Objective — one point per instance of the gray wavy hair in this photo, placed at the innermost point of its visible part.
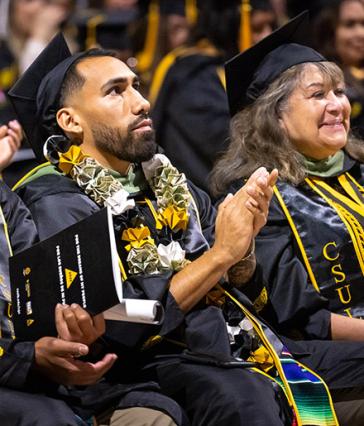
(257, 139)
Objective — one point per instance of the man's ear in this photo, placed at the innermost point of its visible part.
(69, 122)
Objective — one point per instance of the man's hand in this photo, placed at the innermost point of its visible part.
(238, 220)
(241, 216)
(233, 228)
(260, 189)
(10, 140)
(55, 359)
(74, 324)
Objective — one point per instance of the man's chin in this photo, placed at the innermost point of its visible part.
(146, 155)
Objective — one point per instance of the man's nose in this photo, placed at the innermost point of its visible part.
(140, 104)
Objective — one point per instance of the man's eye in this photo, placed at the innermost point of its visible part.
(114, 90)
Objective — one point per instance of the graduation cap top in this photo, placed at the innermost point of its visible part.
(35, 96)
(249, 73)
(108, 30)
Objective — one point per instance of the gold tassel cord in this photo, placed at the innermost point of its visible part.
(245, 36)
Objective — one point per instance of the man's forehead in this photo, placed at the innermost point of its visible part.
(100, 69)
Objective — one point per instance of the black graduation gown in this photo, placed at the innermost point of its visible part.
(23, 399)
(293, 307)
(294, 304)
(149, 377)
(281, 293)
(191, 115)
(16, 358)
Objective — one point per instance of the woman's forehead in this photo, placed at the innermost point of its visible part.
(318, 74)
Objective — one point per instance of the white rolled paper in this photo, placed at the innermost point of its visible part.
(136, 310)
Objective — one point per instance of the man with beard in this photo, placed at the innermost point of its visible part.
(85, 113)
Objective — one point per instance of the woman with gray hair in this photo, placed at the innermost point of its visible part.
(290, 112)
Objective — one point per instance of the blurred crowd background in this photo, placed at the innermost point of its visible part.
(178, 48)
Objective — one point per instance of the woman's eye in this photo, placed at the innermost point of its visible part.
(340, 91)
(318, 95)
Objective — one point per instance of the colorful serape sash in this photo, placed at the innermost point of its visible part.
(6, 325)
(311, 396)
(306, 392)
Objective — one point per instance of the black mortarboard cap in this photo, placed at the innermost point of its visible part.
(250, 73)
(35, 96)
(174, 7)
(107, 30)
(261, 5)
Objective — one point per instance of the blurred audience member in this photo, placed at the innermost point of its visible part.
(112, 5)
(26, 26)
(164, 26)
(10, 139)
(294, 7)
(339, 32)
(280, 9)
(190, 109)
(263, 20)
(109, 31)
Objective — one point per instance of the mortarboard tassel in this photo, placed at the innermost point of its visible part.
(245, 36)
(92, 23)
(145, 58)
(191, 11)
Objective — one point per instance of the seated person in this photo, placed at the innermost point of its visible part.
(293, 114)
(23, 364)
(31, 372)
(93, 124)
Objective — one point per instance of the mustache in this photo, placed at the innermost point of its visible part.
(137, 121)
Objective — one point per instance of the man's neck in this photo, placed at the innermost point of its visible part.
(108, 160)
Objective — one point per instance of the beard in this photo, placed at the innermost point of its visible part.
(131, 147)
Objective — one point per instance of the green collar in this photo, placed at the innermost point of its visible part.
(328, 167)
(134, 181)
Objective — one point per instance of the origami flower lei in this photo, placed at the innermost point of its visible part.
(173, 201)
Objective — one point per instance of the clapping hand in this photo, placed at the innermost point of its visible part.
(10, 140)
(259, 187)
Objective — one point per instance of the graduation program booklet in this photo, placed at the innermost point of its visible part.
(77, 265)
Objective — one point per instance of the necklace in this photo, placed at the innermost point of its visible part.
(173, 202)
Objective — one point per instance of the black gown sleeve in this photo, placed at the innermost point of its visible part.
(207, 212)
(16, 358)
(22, 230)
(55, 203)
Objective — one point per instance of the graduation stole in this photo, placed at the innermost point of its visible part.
(306, 392)
(6, 325)
(328, 227)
